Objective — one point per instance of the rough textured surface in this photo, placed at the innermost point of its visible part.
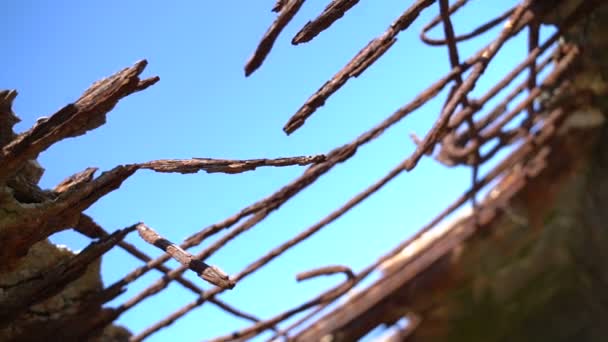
(542, 264)
(41, 257)
(537, 271)
(541, 275)
(29, 214)
(537, 263)
(47, 290)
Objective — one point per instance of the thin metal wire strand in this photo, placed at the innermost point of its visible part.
(531, 144)
(438, 131)
(88, 227)
(162, 283)
(502, 167)
(444, 9)
(460, 38)
(357, 65)
(334, 293)
(338, 291)
(506, 138)
(507, 164)
(188, 284)
(282, 195)
(451, 144)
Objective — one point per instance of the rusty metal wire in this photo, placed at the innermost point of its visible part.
(458, 131)
(458, 96)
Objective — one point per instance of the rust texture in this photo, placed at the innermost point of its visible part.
(224, 166)
(334, 11)
(364, 58)
(212, 274)
(469, 131)
(327, 270)
(21, 296)
(287, 10)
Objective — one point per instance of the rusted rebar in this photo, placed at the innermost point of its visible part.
(460, 130)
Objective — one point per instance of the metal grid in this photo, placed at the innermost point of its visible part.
(459, 133)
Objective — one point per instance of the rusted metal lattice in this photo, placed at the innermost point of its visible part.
(458, 137)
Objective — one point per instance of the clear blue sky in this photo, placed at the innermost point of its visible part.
(205, 107)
